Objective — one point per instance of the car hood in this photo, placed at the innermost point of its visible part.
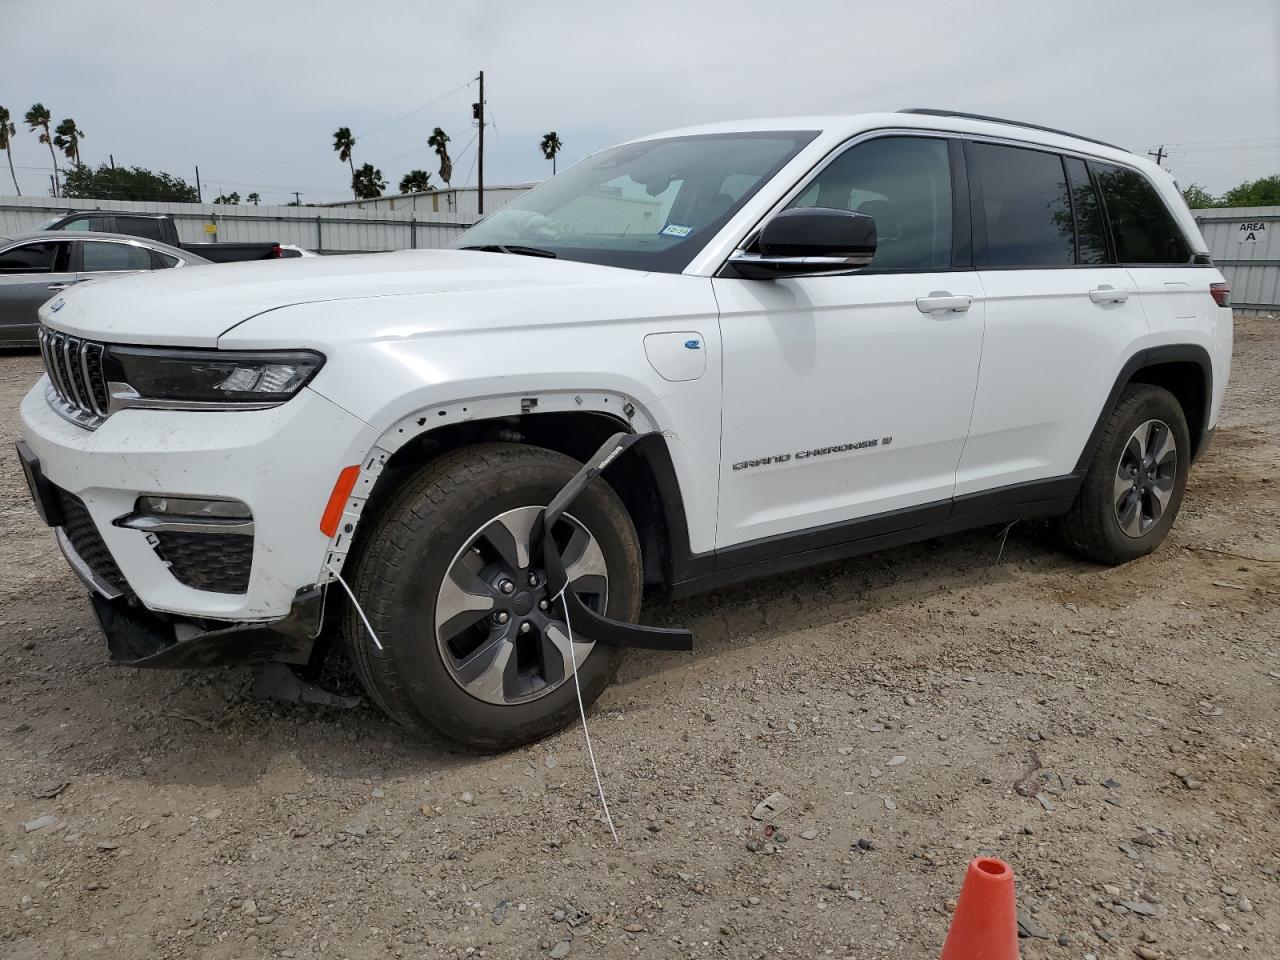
(194, 306)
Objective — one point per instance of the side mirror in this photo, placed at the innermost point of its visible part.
(810, 241)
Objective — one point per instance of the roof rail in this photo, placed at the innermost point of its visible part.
(926, 111)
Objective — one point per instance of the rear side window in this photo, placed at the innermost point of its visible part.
(47, 257)
(146, 227)
(1091, 223)
(100, 256)
(905, 184)
(1025, 206)
(1143, 228)
(79, 223)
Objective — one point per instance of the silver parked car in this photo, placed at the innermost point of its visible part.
(36, 266)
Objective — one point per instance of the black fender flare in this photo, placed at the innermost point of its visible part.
(1150, 357)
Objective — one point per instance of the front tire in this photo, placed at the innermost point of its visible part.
(474, 646)
(1134, 486)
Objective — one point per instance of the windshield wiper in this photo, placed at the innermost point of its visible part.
(513, 248)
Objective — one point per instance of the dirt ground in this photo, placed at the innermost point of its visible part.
(1112, 733)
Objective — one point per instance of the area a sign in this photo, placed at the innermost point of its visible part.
(1249, 230)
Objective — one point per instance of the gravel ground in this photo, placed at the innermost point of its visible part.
(1112, 733)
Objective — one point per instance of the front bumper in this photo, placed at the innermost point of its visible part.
(281, 462)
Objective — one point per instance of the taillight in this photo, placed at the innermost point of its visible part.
(276, 252)
(1221, 293)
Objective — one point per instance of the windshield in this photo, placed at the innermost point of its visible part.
(650, 205)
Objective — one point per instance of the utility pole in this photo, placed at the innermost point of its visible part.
(112, 158)
(199, 195)
(477, 112)
(1158, 154)
(297, 199)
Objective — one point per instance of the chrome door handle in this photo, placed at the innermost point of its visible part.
(1108, 294)
(56, 286)
(940, 301)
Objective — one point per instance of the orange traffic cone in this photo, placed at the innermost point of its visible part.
(985, 924)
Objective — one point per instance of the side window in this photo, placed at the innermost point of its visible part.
(79, 223)
(905, 184)
(48, 257)
(163, 261)
(1091, 224)
(1025, 207)
(100, 256)
(1143, 228)
(146, 227)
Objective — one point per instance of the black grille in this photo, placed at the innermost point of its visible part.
(75, 369)
(209, 561)
(87, 541)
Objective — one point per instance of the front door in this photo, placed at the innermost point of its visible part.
(849, 397)
(30, 274)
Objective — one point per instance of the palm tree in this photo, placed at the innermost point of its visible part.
(253, 198)
(7, 130)
(344, 143)
(416, 181)
(38, 118)
(550, 147)
(367, 182)
(67, 138)
(438, 141)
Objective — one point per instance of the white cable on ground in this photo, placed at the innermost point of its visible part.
(582, 711)
(356, 603)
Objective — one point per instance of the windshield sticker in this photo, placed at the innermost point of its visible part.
(676, 230)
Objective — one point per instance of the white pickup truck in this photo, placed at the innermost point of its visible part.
(836, 335)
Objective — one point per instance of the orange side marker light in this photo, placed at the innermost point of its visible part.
(338, 499)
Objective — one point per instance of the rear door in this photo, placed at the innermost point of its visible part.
(99, 259)
(30, 273)
(1062, 318)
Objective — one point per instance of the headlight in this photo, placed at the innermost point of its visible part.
(206, 379)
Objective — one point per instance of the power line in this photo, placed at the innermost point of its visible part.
(493, 121)
(404, 116)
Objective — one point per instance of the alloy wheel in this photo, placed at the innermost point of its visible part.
(501, 633)
(1145, 477)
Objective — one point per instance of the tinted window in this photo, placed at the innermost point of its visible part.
(139, 227)
(1027, 211)
(162, 261)
(79, 223)
(905, 184)
(32, 258)
(1091, 225)
(1143, 228)
(100, 256)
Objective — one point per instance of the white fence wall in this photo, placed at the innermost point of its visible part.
(1245, 244)
(461, 203)
(323, 229)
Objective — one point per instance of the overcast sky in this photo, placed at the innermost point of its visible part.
(252, 90)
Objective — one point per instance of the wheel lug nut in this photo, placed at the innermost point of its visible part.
(506, 586)
(501, 616)
(533, 579)
(543, 605)
(524, 628)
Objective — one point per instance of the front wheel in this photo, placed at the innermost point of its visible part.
(1134, 486)
(474, 644)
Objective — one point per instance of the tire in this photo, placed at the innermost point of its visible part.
(428, 528)
(1101, 524)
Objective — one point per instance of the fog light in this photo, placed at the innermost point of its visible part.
(191, 507)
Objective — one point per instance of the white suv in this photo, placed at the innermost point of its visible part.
(841, 334)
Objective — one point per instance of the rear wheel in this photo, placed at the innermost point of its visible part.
(474, 644)
(1135, 483)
